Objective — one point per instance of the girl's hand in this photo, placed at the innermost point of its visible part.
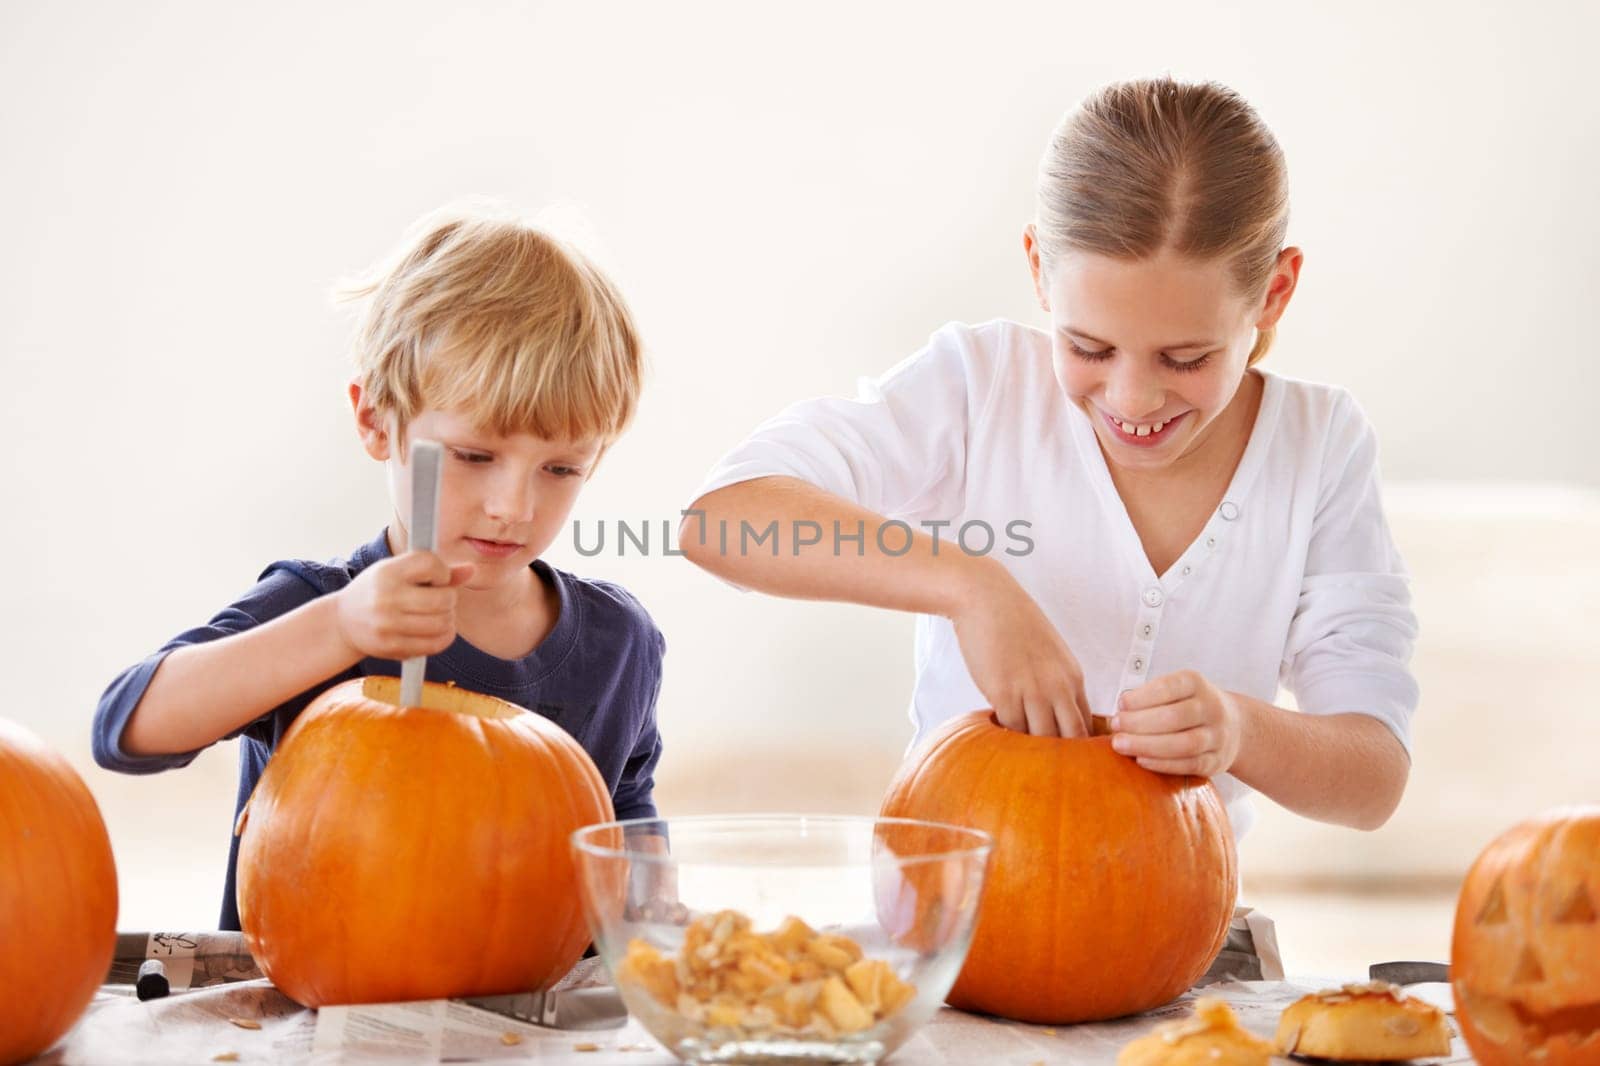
(1179, 724)
(402, 607)
(1018, 660)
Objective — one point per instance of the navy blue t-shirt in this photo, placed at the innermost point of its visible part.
(596, 675)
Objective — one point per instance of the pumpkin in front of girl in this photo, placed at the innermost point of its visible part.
(58, 895)
(1110, 888)
(1525, 954)
(399, 853)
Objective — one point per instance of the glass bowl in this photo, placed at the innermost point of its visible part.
(781, 938)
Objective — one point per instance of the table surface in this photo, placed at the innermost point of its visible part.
(201, 1025)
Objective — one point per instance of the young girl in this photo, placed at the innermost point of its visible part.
(1123, 516)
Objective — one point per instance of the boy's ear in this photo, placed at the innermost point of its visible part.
(371, 424)
(1030, 245)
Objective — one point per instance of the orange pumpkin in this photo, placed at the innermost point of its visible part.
(1525, 954)
(1110, 889)
(58, 895)
(398, 853)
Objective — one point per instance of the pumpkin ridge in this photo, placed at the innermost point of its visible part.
(941, 739)
(58, 885)
(1065, 827)
(979, 940)
(578, 818)
(1097, 835)
(302, 842)
(493, 919)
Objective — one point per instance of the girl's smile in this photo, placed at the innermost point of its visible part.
(1143, 434)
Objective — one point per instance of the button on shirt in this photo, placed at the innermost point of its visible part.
(1293, 580)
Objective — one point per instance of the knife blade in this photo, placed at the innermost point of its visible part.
(1408, 973)
(562, 1008)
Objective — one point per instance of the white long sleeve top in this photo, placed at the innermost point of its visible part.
(1294, 580)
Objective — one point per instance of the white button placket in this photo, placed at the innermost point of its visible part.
(1137, 668)
(1154, 598)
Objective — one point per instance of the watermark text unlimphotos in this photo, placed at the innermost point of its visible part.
(892, 537)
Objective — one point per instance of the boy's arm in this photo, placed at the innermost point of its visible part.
(201, 693)
(219, 679)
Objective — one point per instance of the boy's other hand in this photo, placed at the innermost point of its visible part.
(1179, 724)
(1019, 661)
(402, 607)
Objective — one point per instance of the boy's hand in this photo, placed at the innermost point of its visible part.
(1019, 662)
(1179, 724)
(402, 607)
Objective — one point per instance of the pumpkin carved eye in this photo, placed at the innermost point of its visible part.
(1494, 908)
(1577, 910)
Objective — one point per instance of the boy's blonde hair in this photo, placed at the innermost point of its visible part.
(494, 317)
(1144, 166)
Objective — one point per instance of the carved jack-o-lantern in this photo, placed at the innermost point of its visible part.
(1525, 958)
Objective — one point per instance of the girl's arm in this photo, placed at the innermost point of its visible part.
(831, 568)
(1348, 769)
(1340, 758)
(1017, 659)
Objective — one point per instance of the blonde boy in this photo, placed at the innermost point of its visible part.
(519, 357)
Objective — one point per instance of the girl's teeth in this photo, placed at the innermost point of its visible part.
(1141, 431)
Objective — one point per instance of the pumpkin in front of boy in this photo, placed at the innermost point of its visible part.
(1525, 954)
(58, 895)
(1110, 888)
(400, 853)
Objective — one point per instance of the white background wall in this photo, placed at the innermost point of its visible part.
(790, 198)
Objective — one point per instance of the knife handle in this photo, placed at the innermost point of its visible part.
(426, 458)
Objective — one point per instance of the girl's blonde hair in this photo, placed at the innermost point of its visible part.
(1149, 165)
(494, 317)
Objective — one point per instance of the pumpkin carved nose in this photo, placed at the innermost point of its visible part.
(1528, 969)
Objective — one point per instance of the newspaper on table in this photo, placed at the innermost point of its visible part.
(250, 1021)
(190, 960)
(200, 1026)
